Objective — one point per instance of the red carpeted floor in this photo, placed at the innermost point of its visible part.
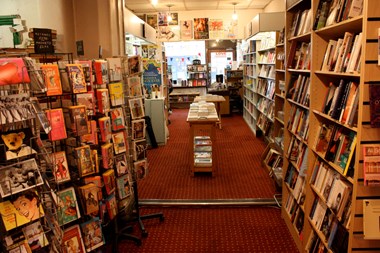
(210, 229)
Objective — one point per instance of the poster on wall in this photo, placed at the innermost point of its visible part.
(186, 29)
(201, 28)
(174, 18)
(151, 74)
(162, 19)
(168, 33)
(231, 30)
(216, 29)
(151, 19)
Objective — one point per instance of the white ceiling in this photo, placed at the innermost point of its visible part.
(145, 6)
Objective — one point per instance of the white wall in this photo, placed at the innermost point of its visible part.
(275, 6)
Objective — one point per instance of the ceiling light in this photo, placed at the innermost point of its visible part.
(169, 16)
(154, 2)
(234, 15)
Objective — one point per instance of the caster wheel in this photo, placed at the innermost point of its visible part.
(144, 234)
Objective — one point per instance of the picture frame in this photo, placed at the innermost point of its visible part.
(19, 177)
(137, 108)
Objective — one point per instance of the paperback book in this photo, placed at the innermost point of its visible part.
(101, 71)
(52, 79)
(67, 204)
(78, 119)
(72, 240)
(102, 95)
(84, 160)
(117, 119)
(116, 93)
(107, 155)
(89, 197)
(76, 78)
(119, 142)
(114, 69)
(92, 234)
(109, 181)
(57, 123)
(87, 99)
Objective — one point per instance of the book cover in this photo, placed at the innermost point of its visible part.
(123, 185)
(13, 71)
(138, 129)
(105, 128)
(101, 71)
(121, 163)
(17, 144)
(35, 235)
(19, 177)
(61, 170)
(116, 93)
(139, 149)
(371, 167)
(16, 242)
(338, 191)
(83, 156)
(137, 108)
(67, 206)
(114, 69)
(52, 79)
(323, 139)
(98, 181)
(120, 144)
(107, 155)
(78, 119)
(76, 78)
(72, 240)
(347, 154)
(109, 181)
(141, 168)
(89, 196)
(102, 96)
(92, 234)
(134, 65)
(57, 123)
(22, 209)
(134, 86)
(111, 206)
(117, 119)
(87, 99)
(88, 74)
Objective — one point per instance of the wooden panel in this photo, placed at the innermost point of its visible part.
(373, 8)
(371, 51)
(370, 134)
(372, 72)
(372, 29)
(363, 191)
(358, 224)
(359, 242)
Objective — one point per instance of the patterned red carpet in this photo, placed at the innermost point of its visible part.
(210, 229)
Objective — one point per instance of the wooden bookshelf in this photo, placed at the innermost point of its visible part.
(350, 226)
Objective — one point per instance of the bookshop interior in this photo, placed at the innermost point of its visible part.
(159, 126)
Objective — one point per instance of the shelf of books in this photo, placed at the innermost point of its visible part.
(334, 91)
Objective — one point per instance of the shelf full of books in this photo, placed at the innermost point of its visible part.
(197, 75)
(332, 75)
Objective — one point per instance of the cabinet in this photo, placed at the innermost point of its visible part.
(155, 109)
(197, 75)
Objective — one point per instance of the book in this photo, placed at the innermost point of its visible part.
(328, 55)
(321, 14)
(138, 129)
(114, 69)
(134, 65)
(87, 99)
(338, 192)
(35, 235)
(102, 96)
(343, 51)
(16, 242)
(111, 204)
(76, 78)
(83, 156)
(355, 53)
(13, 71)
(139, 149)
(78, 119)
(57, 123)
(89, 196)
(22, 209)
(98, 181)
(356, 8)
(323, 138)
(134, 86)
(137, 108)
(92, 234)
(119, 141)
(72, 240)
(340, 241)
(124, 186)
(141, 169)
(61, 170)
(117, 119)
(109, 181)
(88, 73)
(121, 163)
(67, 206)
(101, 71)
(105, 128)
(107, 155)
(116, 93)
(52, 79)
(347, 154)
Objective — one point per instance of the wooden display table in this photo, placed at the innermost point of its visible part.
(202, 144)
(217, 100)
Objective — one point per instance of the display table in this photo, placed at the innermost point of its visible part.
(217, 100)
(202, 143)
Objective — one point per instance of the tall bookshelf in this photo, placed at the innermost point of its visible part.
(305, 188)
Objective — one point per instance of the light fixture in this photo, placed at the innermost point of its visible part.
(154, 2)
(234, 15)
(169, 16)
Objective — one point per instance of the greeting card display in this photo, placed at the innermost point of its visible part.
(17, 144)
(57, 122)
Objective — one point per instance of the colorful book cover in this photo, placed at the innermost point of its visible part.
(137, 108)
(101, 71)
(186, 29)
(19, 177)
(92, 234)
(67, 204)
(21, 210)
(89, 196)
(17, 143)
(111, 206)
(109, 181)
(85, 164)
(134, 86)
(61, 169)
(13, 71)
(138, 129)
(88, 100)
(114, 69)
(120, 144)
(87, 71)
(123, 186)
(72, 240)
(141, 169)
(121, 163)
(57, 123)
(52, 79)
(107, 155)
(35, 235)
(98, 181)
(92, 136)
(105, 128)
(78, 119)
(117, 119)
(116, 93)
(103, 100)
(76, 78)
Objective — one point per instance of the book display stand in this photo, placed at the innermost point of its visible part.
(331, 75)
